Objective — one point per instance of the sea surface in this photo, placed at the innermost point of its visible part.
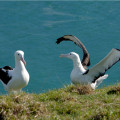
(34, 27)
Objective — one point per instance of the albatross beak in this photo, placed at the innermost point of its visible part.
(22, 59)
(64, 55)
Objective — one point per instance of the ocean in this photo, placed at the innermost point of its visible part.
(34, 27)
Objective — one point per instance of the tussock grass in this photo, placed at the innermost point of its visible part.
(68, 103)
(80, 89)
(22, 106)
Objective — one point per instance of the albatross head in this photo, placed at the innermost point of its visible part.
(19, 56)
(71, 55)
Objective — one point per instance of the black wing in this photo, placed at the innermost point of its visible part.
(86, 56)
(8, 68)
(4, 74)
(106, 63)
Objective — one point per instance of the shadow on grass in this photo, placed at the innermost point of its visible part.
(115, 90)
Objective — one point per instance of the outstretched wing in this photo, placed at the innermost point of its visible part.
(86, 56)
(106, 63)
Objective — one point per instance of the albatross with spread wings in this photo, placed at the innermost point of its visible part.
(95, 75)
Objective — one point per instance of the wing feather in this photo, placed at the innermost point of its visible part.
(4, 76)
(8, 68)
(86, 56)
(106, 63)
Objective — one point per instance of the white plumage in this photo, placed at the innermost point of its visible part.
(95, 75)
(17, 78)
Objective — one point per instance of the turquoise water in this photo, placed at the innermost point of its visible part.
(34, 27)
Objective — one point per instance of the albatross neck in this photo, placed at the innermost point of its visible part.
(19, 65)
(77, 64)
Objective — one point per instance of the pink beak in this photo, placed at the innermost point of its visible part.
(64, 55)
(22, 59)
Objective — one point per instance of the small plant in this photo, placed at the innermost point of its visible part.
(81, 89)
(98, 117)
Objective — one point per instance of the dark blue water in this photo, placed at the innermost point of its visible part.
(34, 27)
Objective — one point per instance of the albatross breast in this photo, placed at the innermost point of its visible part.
(19, 80)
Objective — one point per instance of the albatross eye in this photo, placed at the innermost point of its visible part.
(18, 54)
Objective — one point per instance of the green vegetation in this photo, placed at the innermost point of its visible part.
(69, 103)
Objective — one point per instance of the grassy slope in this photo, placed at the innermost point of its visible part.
(69, 103)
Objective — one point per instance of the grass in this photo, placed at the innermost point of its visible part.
(68, 103)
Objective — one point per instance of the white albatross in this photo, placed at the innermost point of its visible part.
(95, 75)
(17, 78)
